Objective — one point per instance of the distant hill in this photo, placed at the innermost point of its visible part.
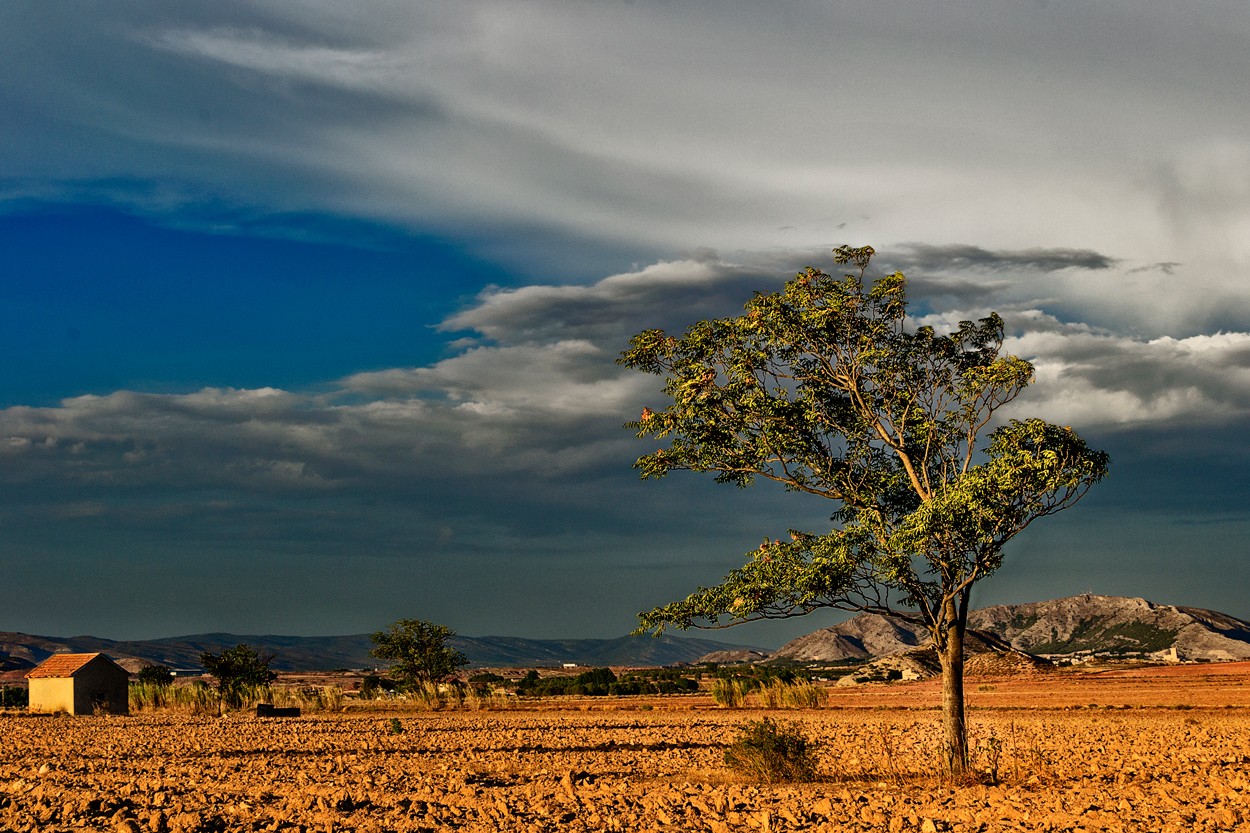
(20, 652)
(1061, 627)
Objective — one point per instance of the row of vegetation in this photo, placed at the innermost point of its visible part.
(13, 697)
(201, 698)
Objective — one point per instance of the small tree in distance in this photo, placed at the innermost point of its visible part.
(822, 388)
(418, 652)
(238, 669)
(155, 675)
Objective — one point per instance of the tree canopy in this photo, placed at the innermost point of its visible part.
(237, 669)
(825, 388)
(418, 652)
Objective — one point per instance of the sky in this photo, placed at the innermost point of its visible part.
(309, 311)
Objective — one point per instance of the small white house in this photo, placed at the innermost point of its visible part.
(79, 684)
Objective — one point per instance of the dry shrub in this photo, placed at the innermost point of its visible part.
(770, 752)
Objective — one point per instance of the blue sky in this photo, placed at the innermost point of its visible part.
(309, 311)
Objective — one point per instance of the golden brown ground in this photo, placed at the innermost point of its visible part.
(1130, 750)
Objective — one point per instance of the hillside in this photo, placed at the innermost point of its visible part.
(1085, 624)
(20, 652)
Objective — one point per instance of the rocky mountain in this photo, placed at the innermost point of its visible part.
(863, 637)
(1111, 624)
(20, 652)
(1085, 624)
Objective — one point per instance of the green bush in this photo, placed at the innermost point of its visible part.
(155, 675)
(13, 697)
(373, 687)
(770, 752)
(592, 683)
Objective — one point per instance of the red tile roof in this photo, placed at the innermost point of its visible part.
(62, 665)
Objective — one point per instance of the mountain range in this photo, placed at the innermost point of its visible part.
(20, 652)
(1085, 624)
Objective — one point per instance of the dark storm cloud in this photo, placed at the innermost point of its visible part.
(954, 258)
(667, 295)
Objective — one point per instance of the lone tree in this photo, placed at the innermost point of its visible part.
(824, 388)
(418, 652)
(238, 669)
(158, 675)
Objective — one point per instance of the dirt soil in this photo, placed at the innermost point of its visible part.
(1122, 750)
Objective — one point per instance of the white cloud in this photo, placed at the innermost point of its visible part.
(1087, 377)
(540, 396)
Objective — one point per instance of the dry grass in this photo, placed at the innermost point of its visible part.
(204, 700)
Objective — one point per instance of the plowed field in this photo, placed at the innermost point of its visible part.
(1157, 750)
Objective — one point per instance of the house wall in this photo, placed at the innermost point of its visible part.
(100, 683)
(52, 694)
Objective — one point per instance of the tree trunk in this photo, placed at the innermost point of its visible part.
(950, 650)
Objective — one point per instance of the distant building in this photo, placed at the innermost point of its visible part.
(79, 684)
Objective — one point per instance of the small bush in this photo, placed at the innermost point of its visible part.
(771, 752)
(373, 687)
(155, 675)
(12, 697)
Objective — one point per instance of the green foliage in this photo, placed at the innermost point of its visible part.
(654, 681)
(1022, 622)
(1094, 633)
(238, 669)
(771, 752)
(598, 682)
(592, 683)
(822, 387)
(485, 683)
(418, 652)
(394, 727)
(155, 675)
(373, 686)
(14, 697)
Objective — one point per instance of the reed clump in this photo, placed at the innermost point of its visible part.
(780, 694)
(200, 698)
